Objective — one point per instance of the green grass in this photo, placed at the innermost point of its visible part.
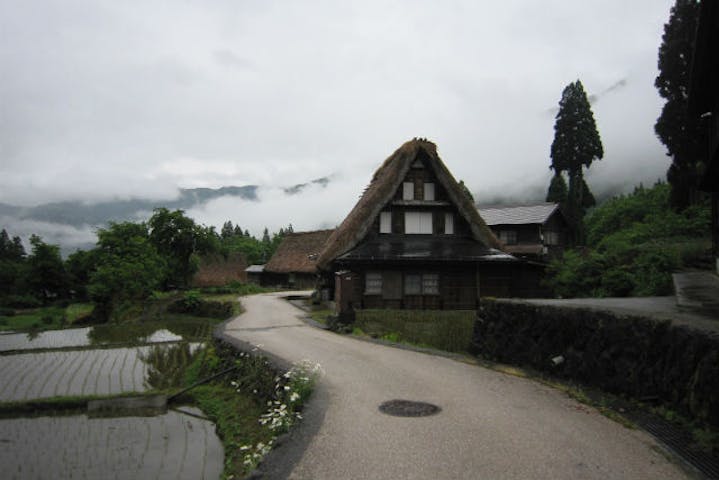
(78, 311)
(237, 418)
(45, 318)
(449, 330)
(320, 316)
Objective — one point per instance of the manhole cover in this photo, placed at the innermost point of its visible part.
(407, 408)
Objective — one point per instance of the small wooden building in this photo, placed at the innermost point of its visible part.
(255, 274)
(704, 103)
(416, 240)
(536, 232)
(217, 270)
(294, 264)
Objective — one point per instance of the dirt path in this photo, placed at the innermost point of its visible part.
(491, 426)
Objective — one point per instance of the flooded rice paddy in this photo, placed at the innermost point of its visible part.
(110, 371)
(174, 445)
(102, 360)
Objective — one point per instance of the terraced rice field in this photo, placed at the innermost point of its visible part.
(171, 446)
(28, 376)
(73, 337)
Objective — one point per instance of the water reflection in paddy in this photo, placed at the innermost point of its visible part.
(108, 334)
(172, 446)
(106, 371)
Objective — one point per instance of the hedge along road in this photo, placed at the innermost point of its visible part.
(491, 425)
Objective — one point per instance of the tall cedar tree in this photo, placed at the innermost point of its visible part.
(576, 145)
(557, 192)
(679, 131)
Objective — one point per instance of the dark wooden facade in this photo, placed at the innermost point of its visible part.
(460, 286)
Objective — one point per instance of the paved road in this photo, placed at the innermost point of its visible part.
(492, 425)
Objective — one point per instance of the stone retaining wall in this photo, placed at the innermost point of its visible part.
(643, 358)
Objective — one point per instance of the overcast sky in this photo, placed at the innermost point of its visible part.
(115, 99)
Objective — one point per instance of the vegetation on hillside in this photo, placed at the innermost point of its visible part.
(131, 262)
(634, 243)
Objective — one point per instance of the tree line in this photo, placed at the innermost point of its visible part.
(129, 262)
(577, 142)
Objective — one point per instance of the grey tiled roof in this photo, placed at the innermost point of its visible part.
(517, 214)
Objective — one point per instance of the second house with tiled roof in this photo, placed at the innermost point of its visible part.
(538, 231)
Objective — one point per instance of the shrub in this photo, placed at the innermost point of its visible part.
(21, 301)
(635, 243)
(7, 312)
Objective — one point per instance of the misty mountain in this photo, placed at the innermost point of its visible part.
(77, 213)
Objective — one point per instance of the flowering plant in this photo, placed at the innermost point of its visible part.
(291, 390)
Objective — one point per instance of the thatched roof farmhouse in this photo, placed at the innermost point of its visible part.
(416, 240)
(294, 264)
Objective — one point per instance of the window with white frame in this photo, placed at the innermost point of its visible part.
(449, 223)
(508, 237)
(408, 191)
(418, 222)
(430, 284)
(421, 284)
(551, 238)
(373, 283)
(385, 222)
(429, 191)
(413, 284)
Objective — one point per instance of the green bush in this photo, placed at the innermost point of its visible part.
(7, 312)
(21, 301)
(236, 287)
(192, 304)
(635, 242)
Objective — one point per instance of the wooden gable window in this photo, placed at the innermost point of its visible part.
(508, 237)
(552, 238)
(418, 222)
(429, 191)
(421, 284)
(449, 224)
(430, 284)
(413, 284)
(373, 283)
(385, 222)
(408, 191)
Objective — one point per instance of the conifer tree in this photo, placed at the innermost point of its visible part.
(227, 230)
(576, 146)
(678, 131)
(557, 192)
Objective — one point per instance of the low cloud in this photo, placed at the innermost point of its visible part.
(316, 207)
(68, 237)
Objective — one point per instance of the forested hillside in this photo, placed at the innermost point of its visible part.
(634, 243)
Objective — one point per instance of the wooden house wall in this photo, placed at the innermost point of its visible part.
(458, 286)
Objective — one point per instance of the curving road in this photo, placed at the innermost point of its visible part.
(492, 425)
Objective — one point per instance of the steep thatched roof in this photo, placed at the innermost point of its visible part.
(385, 182)
(298, 252)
